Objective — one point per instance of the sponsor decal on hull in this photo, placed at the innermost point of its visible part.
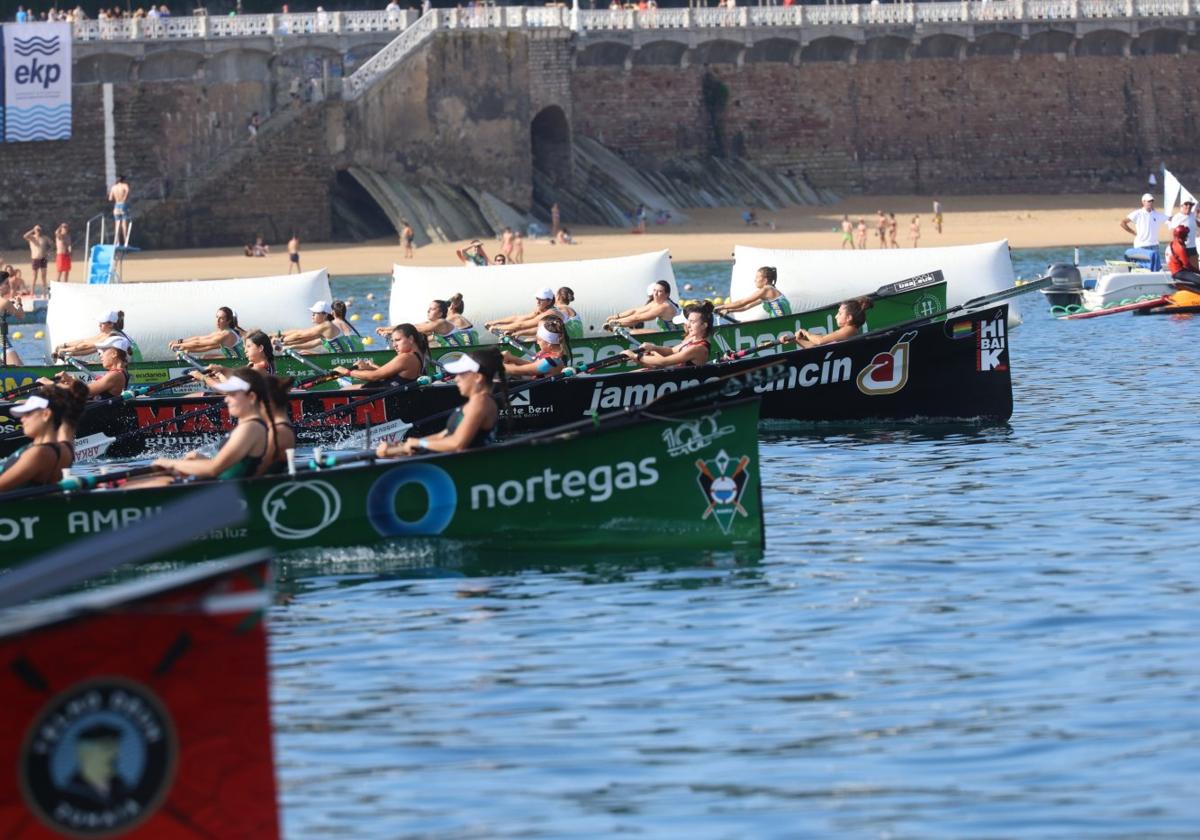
(887, 372)
(990, 344)
(691, 436)
(723, 480)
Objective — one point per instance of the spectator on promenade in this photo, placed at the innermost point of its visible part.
(937, 215)
(1146, 222)
(118, 194)
(22, 15)
(847, 233)
(1187, 217)
(252, 126)
(62, 252)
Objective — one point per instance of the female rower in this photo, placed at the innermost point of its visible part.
(525, 324)
(114, 357)
(473, 424)
(851, 315)
(227, 338)
(74, 396)
(244, 451)
(283, 435)
(313, 337)
(570, 316)
(436, 326)
(350, 339)
(772, 300)
(464, 334)
(112, 322)
(36, 463)
(657, 314)
(412, 357)
(694, 348)
(554, 351)
(260, 355)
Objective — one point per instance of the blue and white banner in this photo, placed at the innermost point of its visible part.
(36, 73)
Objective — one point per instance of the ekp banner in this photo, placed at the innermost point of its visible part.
(36, 73)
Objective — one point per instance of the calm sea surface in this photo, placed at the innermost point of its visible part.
(954, 632)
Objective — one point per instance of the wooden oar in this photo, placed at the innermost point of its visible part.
(76, 483)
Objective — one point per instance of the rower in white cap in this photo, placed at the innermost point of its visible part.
(527, 324)
(112, 322)
(313, 337)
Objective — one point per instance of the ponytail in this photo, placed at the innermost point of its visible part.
(455, 303)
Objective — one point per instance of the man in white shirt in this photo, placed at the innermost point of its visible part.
(1146, 223)
(1187, 216)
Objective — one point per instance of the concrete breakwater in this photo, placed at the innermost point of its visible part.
(463, 124)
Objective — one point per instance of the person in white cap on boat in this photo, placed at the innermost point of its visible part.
(114, 357)
(36, 463)
(1143, 225)
(527, 324)
(244, 451)
(112, 322)
(323, 329)
(657, 314)
(472, 424)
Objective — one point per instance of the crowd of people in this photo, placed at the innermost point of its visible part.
(57, 15)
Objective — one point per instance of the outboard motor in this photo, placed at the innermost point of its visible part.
(1067, 288)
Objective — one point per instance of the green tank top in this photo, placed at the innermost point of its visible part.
(249, 464)
(779, 306)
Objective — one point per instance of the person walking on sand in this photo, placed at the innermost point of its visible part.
(518, 254)
(893, 231)
(937, 215)
(555, 220)
(294, 254)
(406, 238)
(881, 225)
(62, 252)
(914, 230)
(118, 194)
(39, 248)
(847, 233)
(860, 234)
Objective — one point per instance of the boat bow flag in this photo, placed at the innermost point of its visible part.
(36, 76)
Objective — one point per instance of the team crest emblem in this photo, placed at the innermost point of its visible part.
(723, 482)
(887, 373)
(924, 306)
(99, 759)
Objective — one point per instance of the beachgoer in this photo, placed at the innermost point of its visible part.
(659, 310)
(773, 301)
(847, 233)
(914, 230)
(893, 230)
(553, 354)
(937, 215)
(226, 338)
(473, 424)
(118, 194)
(409, 363)
(518, 254)
(39, 250)
(62, 252)
(406, 238)
(693, 350)
(1145, 224)
(506, 245)
(36, 463)
(499, 259)
(860, 234)
(851, 316)
(565, 237)
(293, 247)
(472, 254)
(1187, 217)
(881, 228)
(554, 220)
(244, 452)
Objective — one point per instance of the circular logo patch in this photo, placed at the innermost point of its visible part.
(99, 759)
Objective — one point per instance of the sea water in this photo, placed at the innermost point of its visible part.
(954, 632)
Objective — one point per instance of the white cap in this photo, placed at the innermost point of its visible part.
(654, 287)
(116, 342)
(232, 385)
(1147, 197)
(108, 317)
(463, 364)
(322, 307)
(34, 403)
(544, 294)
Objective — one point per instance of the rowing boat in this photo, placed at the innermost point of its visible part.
(893, 304)
(140, 710)
(685, 476)
(957, 369)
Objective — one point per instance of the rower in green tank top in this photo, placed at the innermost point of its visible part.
(226, 339)
(773, 301)
(657, 314)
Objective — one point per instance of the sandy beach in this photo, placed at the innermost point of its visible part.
(1027, 221)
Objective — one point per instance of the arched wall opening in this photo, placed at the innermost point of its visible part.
(550, 142)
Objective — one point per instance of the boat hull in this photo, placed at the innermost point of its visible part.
(957, 370)
(684, 479)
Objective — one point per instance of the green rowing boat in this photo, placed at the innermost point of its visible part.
(893, 304)
(685, 476)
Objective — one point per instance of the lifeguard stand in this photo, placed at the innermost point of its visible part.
(104, 259)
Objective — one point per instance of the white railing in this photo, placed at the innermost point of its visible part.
(539, 17)
(354, 85)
